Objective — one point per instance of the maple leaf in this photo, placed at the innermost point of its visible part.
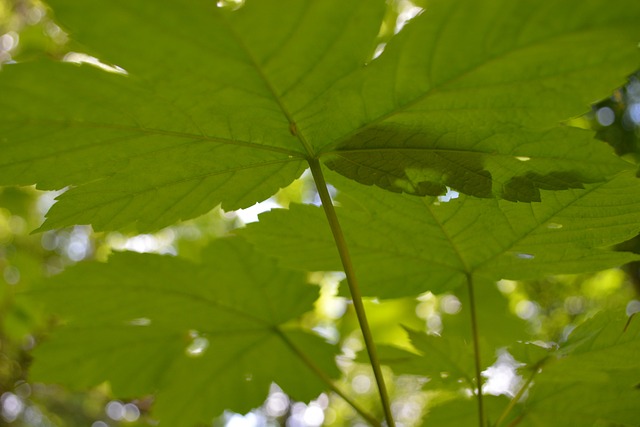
(219, 106)
(204, 337)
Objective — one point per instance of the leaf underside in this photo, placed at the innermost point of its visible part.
(468, 96)
(204, 338)
(403, 246)
(212, 106)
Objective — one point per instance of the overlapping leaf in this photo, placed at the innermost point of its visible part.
(205, 337)
(224, 107)
(403, 245)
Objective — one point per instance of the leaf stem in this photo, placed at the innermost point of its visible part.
(356, 296)
(520, 393)
(326, 379)
(476, 348)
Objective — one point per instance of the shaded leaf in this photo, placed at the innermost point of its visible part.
(591, 380)
(600, 345)
(532, 354)
(614, 403)
(205, 337)
(404, 245)
(445, 359)
(464, 412)
(406, 159)
(493, 314)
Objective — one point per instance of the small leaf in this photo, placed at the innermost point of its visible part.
(591, 380)
(445, 359)
(463, 411)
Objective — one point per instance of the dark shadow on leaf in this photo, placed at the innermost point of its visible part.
(407, 160)
(402, 160)
(527, 188)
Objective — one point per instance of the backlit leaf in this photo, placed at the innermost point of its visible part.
(403, 245)
(210, 106)
(468, 89)
(205, 337)
(205, 115)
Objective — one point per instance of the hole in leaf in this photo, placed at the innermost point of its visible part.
(83, 58)
(141, 321)
(524, 256)
(198, 345)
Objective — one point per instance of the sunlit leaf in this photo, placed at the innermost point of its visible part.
(205, 337)
(193, 104)
(205, 115)
(466, 94)
(204, 105)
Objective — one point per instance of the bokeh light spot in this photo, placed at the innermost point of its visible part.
(11, 406)
(131, 412)
(115, 410)
(605, 116)
(277, 404)
(526, 309)
(634, 113)
(313, 415)
(361, 384)
(450, 304)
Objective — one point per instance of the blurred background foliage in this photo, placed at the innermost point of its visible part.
(546, 309)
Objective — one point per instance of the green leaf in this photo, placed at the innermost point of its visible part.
(403, 245)
(408, 159)
(464, 412)
(600, 345)
(212, 110)
(451, 351)
(445, 359)
(205, 337)
(205, 115)
(532, 354)
(464, 92)
(610, 404)
(493, 316)
(592, 380)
